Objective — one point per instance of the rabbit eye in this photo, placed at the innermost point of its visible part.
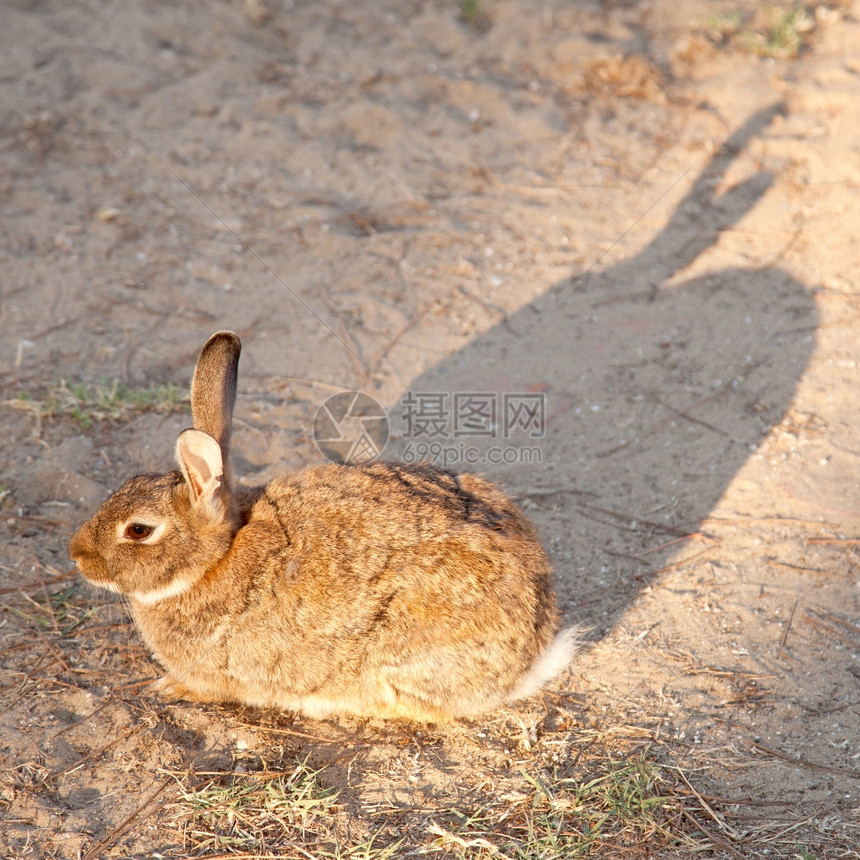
(138, 531)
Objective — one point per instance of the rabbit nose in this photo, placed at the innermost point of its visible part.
(76, 546)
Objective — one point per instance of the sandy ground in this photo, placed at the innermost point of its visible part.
(605, 212)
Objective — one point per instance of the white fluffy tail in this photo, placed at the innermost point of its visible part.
(555, 659)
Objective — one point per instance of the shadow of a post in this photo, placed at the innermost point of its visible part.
(654, 394)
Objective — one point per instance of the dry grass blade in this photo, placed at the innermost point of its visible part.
(798, 569)
(787, 627)
(837, 541)
(831, 624)
(127, 824)
(799, 760)
(674, 565)
(277, 730)
(716, 839)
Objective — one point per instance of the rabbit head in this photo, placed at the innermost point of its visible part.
(133, 543)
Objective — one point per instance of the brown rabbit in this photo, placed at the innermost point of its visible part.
(378, 590)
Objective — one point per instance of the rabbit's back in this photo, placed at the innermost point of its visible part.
(401, 583)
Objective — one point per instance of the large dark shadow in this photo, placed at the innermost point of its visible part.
(655, 394)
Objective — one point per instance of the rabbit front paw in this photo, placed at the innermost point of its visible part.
(174, 690)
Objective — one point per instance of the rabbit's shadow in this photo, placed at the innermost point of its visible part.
(617, 407)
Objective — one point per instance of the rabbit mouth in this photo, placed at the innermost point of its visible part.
(95, 571)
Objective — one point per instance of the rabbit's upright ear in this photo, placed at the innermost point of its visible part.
(199, 458)
(213, 392)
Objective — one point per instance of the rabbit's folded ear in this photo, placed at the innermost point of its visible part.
(213, 391)
(199, 458)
